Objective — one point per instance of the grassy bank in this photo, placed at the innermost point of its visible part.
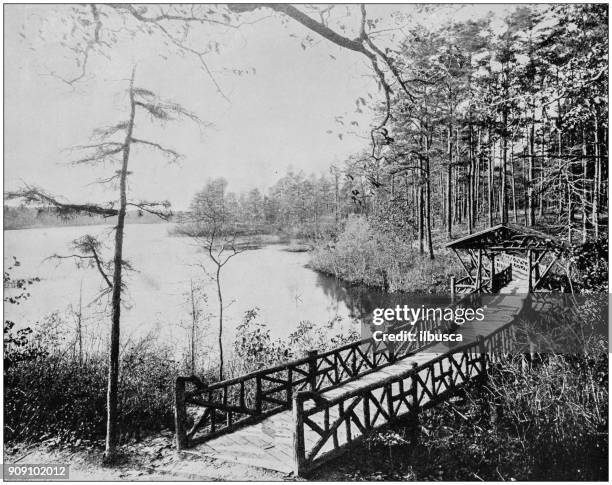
(53, 395)
(362, 255)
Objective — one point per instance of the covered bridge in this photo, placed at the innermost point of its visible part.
(506, 256)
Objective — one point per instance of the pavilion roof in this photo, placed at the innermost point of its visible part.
(506, 237)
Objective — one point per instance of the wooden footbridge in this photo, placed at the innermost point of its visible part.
(295, 416)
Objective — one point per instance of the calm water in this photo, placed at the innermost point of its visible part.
(271, 278)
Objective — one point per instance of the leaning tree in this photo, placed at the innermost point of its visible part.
(114, 145)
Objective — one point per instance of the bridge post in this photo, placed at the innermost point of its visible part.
(414, 391)
(312, 369)
(452, 288)
(483, 355)
(299, 451)
(391, 350)
(180, 414)
(258, 394)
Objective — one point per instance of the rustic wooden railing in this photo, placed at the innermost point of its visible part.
(468, 286)
(462, 286)
(337, 423)
(227, 405)
(519, 264)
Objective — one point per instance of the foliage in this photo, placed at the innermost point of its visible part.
(362, 255)
(296, 206)
(16, 347)
(254, 347)
(590, 265)
(49, 394)
(509, 125)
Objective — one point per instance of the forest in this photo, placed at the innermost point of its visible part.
(497, 127)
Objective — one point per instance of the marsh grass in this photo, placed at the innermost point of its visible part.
(538, 420)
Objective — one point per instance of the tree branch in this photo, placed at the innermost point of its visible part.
(159, 209)
(34, 195)
(174, 156)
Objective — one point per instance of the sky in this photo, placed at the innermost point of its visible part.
(280, 116)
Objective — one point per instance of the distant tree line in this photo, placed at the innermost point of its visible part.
(22, 217)
(311, 206)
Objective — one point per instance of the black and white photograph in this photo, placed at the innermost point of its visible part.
(306, 242)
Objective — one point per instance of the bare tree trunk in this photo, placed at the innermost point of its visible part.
(477, 182)
(570, 211)
(490, 181)
(428, 199)
(442, 190)
(559, 151)
(194, 319)
(596, 182)
(541, 178)
(80, 324)
(524, 171)
(503, 190)
(458, 204)
(583, 186)
(470, 183)
(218, 281)
(112, 432)
(364, 199)
(449, 175)
(421, 204)
(337, 199)
(531, 153)
(515, 218)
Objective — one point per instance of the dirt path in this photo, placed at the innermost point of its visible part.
(153, 459)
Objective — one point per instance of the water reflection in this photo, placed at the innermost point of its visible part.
(361, 300)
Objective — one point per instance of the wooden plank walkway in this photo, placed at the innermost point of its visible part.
(269, 443)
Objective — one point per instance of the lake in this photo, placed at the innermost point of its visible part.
(271, 278)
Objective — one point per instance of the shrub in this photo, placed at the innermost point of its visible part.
(557, 412)
(590, 265)
(50, 394)
(540, 422)
(255, 349)
(362, 255)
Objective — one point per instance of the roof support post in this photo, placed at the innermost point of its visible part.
(492, 280)
(529, 268)
(548, 268)
(463, 264)
(479, 271)
(536, 266)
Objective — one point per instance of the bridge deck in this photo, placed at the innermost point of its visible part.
(269, 443)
